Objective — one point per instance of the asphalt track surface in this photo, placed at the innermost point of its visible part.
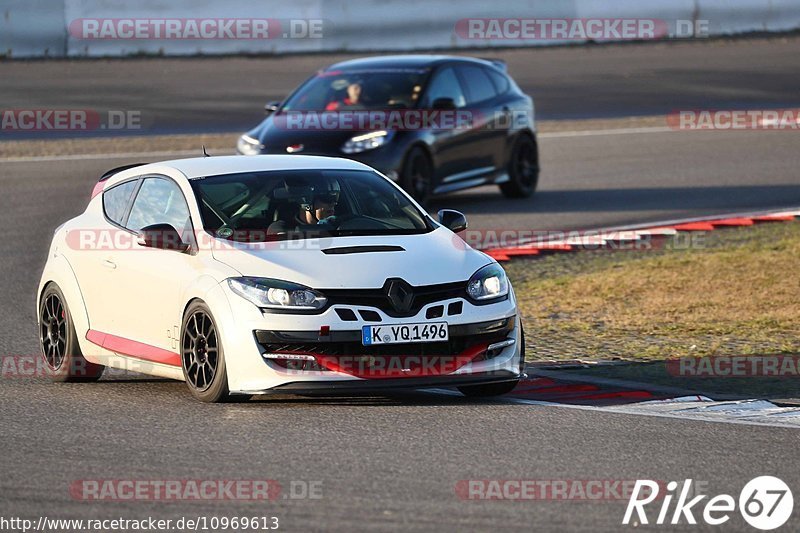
(392, 463)
(228, 94)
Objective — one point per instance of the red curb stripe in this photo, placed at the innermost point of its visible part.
(559, 389)
(638, 394)
(774, 218)
(733, 222)
(694, 226)
(521, 251)
(497, 255)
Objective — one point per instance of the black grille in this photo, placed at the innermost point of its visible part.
(421, 296)
(454, 346)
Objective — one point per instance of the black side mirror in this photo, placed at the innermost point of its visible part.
(163, 237)
(453, 220)
(444, 103)
(271, 107)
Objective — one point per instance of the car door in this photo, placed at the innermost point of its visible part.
(150, 282)
(487, 135)
(92, 255)
(451, 147)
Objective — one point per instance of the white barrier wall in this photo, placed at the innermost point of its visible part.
(35, 28)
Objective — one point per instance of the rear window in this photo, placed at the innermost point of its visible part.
(500, 81)
(115, 201)
(479, 85)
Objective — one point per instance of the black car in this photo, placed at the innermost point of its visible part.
(436, 124)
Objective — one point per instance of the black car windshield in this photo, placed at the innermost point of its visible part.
(354, 90)
(299, 204)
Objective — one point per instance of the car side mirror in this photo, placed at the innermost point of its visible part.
(163, 237)
(271, 107)
(455, 221)
(444, 103)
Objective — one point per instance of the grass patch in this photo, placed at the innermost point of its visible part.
(735, 291)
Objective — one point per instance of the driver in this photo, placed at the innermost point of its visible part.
(352, 100)
(317, 210)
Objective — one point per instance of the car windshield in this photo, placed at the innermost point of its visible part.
(359, 90)
(299, 204)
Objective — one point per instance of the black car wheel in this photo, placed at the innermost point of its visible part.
(59, 342)
(202, 358)
(417, 175)
(523, 169)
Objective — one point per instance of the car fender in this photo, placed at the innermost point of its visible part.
(233, 320)
(59, 271)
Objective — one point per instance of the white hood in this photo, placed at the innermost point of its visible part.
(432, 258)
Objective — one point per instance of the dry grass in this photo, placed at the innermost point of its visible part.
(741, 296)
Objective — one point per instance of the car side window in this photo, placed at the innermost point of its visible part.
(115, 200)
(479, 86)
(160, 201)
(445, 84)
(500, 81)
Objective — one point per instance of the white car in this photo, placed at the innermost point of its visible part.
(294, 274)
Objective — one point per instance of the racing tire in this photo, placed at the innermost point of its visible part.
(202, 356)
(417, 175)
(523, 169)
(64, 361)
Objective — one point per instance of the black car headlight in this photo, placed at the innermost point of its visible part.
(277, 294)
(367, 141)
(487, 284)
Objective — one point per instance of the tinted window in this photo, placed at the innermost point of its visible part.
(479, 85)
(358, 90)
(445, 85)
(116, 199)
(160, 201)
(500, 81)
(294, 204)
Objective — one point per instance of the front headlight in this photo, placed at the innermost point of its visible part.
(367, 141)
(488, 283)
(248, 145)
(277, 294)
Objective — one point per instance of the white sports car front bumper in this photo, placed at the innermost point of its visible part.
(340, 363)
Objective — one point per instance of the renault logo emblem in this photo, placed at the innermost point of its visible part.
(400, 294)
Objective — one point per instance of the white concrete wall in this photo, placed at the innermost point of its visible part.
(35, 28)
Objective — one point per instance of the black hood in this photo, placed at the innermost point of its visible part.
(276, 137)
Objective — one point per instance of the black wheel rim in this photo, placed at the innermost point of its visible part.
(200, 351)
(525, 165)
(53, 331)
(420, 177)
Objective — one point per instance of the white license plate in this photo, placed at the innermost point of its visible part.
(404, 333)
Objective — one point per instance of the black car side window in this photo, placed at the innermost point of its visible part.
(479, 86)
(115, 201)
(160, 201)
(500, 81)
(445, 84)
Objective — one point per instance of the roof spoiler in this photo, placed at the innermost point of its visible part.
(499, 63)
(117, 170)
(98, 187)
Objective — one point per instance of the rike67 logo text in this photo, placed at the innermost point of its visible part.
(765, 503)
